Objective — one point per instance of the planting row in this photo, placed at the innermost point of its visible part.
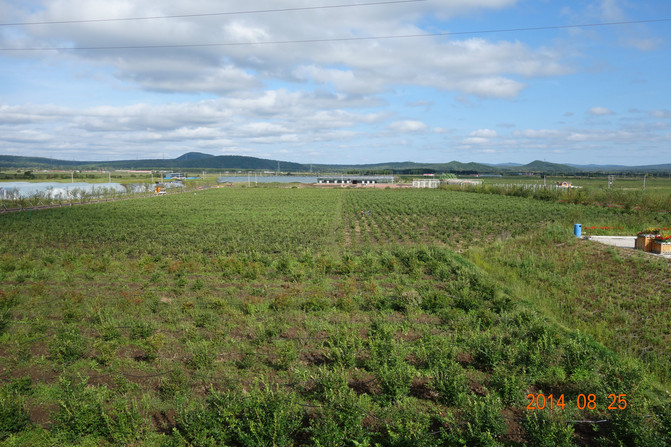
(408, 345)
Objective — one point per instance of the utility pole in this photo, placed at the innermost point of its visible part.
(644, 178)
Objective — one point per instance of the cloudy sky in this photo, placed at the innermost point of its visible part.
(338, 81)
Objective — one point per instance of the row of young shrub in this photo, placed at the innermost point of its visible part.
(399, 382)
(627, 199)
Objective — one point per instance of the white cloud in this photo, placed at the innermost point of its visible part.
(664, 113)
(600, 111)
(537, 133)
(475, 66)
(483, 133)
(611, 10)
(261, 118)
(476, 140)
(343, 80)
(319, 99)
(641, 43)
(408, 126)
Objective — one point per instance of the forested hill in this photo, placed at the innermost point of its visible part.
(198, 160)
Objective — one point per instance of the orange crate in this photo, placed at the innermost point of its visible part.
(644, 241)
(661, 248)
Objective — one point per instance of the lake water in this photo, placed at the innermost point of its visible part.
(267, 179)
(54, 190)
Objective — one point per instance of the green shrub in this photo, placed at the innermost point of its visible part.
(510, 386)
(408, 426)
(14, 416)
(395, 379)
(403, 300)
(84, 412)
(105, 351)
(663, 413)
(68, 346)
(109, 332)
(340, 422)
(544, 431)
(141, 330)
(173, 384)
(5, 318)
(434, 351)
(205, 426)
(315, 303)
(343, 347)
(484, 423)
(282, 302)
(449, 381)
(629, 427)
(204, 319)
(265, 416)
(152, 345)
(124, 422)
(286, 355)
(246, 360)
(329, 383)
(580, 353)
(21, 386)
(81, 411)
(489, 351)
(203, 355)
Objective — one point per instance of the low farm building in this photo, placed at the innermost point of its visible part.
(456, 181)
(355, 179)
(421, 183)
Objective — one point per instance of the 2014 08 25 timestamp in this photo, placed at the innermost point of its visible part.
(582, 402)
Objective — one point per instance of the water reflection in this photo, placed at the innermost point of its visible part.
(66, 191)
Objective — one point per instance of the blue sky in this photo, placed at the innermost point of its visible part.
(597, 94)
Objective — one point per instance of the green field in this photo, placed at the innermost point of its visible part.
(326, 317)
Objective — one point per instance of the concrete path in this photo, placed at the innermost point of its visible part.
(618, 241)
(622, 242)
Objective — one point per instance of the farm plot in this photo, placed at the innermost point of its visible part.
(460, 220)
(240, 317)
(210, 222)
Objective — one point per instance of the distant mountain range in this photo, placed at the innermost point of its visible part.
(201, 161)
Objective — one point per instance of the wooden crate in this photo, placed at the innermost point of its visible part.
(644, 241)
(661, 248)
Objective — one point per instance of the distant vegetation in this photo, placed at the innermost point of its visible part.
(197, 160)
(656, 198)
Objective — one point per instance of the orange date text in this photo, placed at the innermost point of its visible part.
(583, 401)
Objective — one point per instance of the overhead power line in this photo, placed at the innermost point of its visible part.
(212, 14)
(338, 39)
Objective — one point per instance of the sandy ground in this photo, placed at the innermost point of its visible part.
(622, 242)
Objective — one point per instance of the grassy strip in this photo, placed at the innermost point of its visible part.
(617, 296)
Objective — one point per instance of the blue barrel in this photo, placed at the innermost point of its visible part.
(577, 230)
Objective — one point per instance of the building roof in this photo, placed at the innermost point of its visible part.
(358, 178)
